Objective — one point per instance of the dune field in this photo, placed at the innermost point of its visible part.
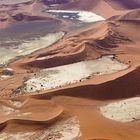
(69, 70)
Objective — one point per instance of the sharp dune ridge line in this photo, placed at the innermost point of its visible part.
(29, 47)
(74, 88)
(72, 73)
(67, 129)
(42, 114)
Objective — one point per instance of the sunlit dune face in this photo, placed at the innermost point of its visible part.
(24, 110)
(66, 67)
(68, 74)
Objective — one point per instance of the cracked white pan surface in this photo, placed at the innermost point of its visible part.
(122, 111)
(67, 74)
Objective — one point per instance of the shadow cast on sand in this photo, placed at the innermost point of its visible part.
(128, 84)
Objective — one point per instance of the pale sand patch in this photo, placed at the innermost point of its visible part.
(6, 110)
(68, 129)
(16, 104)
(122, 111)
(24, 114)
(13, 1)
(6, 73)
(63, 75)
(84, 16)
(29, 47)
(4, 77)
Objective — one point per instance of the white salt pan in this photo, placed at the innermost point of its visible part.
(123, 111)
(84, 16)
(63, 75)
(29, 47)
(68, 129)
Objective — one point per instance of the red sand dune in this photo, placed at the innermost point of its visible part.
(38, 112)
(24, 110)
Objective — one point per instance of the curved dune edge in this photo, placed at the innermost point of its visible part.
(31, 110)
(128, 83)
(122, 111)
(110, 38)
(31, 7)
(87, 33)
(64, 75)
(101, 39)
(65, 129)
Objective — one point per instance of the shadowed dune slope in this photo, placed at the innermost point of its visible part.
(115, 4)
(73, 109)
(124, 4)
(100, 39)
(114, 7)
(128, 84)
